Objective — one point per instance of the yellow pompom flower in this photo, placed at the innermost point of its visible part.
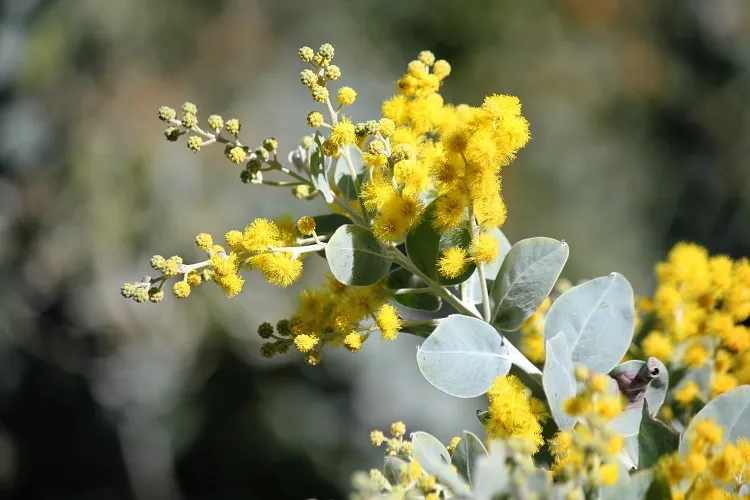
(306, 225)
(204, 241)
(707, 434)
(234, 239)
(608, 473)
(453, 262)
(279, 269)
(386, 127)
(721, 383)
(305, 343)
(353, 341)
(510, 414)
(315, 119)
(726, 465)
(225, 273)
(346, 96)
(695, 355)
(194, 279)
(171, 267)
(687, 393)
(343, 133)
(696, 463)
(181, 290)
(259, 235)
(658, 345)
(388, 322)
(484, 249)
(398, 429)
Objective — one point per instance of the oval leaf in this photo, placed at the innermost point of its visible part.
(425, 245)
(598, 319)
(491, 475)
(421, 300)
(355, 257)
(525, 279)
(463, 356)
(731, 410)
(559, 380)
(465, 456)
(490, 270)
(655, 439)
(435, 460)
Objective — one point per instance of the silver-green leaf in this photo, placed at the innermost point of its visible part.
(435, 460)
(598, 320)
(463, 356)
(730, 410)
(355, 257)
(525, 279)
(466, 454)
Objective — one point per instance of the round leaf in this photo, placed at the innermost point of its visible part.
(731, 410)
(525, 279)
(465, 456)
(435, 460)
(425, 245)
(463, 356)
(597, 318)
(355, 257)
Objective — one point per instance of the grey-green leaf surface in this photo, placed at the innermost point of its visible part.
(634, 488)
(525, 279)
(318, 171)
(598, 319)
(491, 477)
(355, 257)
(491, 269)
(420, 299)
(425, 246)
(558, 379)
(463, 356)
(435, 460)
(655, 439)
(731, 410)
(465, 456)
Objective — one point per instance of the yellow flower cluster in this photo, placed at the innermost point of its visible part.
(588, 453)
(424, 145)
(514, 413)
(699, 308)
(709, 467)
(335, 315)
(271, 246)
(413, 477)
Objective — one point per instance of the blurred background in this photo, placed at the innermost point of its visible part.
(640, 117)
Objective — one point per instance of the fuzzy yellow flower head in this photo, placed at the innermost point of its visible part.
(453, 262)
(388, 322)
(510, 412)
